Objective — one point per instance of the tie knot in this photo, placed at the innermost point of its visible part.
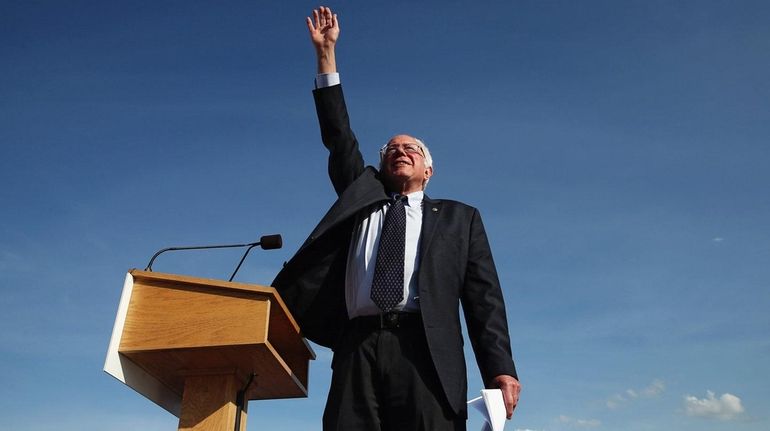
(402, 198)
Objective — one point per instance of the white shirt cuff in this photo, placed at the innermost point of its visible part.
(327, 79)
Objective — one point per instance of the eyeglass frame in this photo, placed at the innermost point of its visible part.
(413, 146)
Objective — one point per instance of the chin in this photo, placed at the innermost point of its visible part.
(401, 172)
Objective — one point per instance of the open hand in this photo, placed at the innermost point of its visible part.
(324, 28)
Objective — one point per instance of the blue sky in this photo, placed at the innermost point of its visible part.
(617, 150)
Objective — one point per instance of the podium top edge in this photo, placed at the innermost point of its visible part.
(210, 282)
(187, 279)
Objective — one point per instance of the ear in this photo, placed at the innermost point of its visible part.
(428, 173)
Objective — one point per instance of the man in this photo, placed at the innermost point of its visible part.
(381, 277)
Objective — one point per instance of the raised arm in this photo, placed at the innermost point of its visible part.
(345, 160)
(324, 32)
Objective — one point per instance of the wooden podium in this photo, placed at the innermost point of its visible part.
(191, 345)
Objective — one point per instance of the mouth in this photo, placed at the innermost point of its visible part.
(399, 163)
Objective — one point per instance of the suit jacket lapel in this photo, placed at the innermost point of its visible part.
(431, 211)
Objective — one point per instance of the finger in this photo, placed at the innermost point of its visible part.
(309, 23)
(335, 23)
(507, 400)
(323, 16)
(515, 399)
(317, 18)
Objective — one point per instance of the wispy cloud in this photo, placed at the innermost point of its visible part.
(582, 423)
(726, 407)
(652, 390)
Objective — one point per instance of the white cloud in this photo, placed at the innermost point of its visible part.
(615, 401)
(726, 407)
(583, 423)
(652, 390)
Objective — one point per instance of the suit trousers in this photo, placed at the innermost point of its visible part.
(384, 379)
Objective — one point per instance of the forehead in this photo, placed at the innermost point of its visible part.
(402, 139)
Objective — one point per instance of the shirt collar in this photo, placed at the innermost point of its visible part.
(414, 199)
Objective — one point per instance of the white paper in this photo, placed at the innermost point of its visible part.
(492, 408)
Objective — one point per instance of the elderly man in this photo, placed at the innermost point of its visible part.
(381, 278)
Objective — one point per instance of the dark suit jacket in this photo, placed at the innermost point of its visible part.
(456, 266)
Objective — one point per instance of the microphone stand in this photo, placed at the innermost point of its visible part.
(267, 242)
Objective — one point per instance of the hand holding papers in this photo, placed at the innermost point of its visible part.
(492, 407)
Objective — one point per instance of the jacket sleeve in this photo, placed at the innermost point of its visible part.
(484, 309)
(345, 160)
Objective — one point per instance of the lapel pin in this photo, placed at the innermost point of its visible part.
(434, 209)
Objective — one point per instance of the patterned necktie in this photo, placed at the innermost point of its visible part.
(388, 282)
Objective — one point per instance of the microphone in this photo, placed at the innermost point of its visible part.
(271, 242)
(267, 242)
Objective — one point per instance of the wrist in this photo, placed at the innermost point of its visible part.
(325, 50)
(327, 62)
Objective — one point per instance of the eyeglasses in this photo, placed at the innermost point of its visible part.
(391, 149)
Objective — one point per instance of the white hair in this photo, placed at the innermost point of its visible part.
(425, 151)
